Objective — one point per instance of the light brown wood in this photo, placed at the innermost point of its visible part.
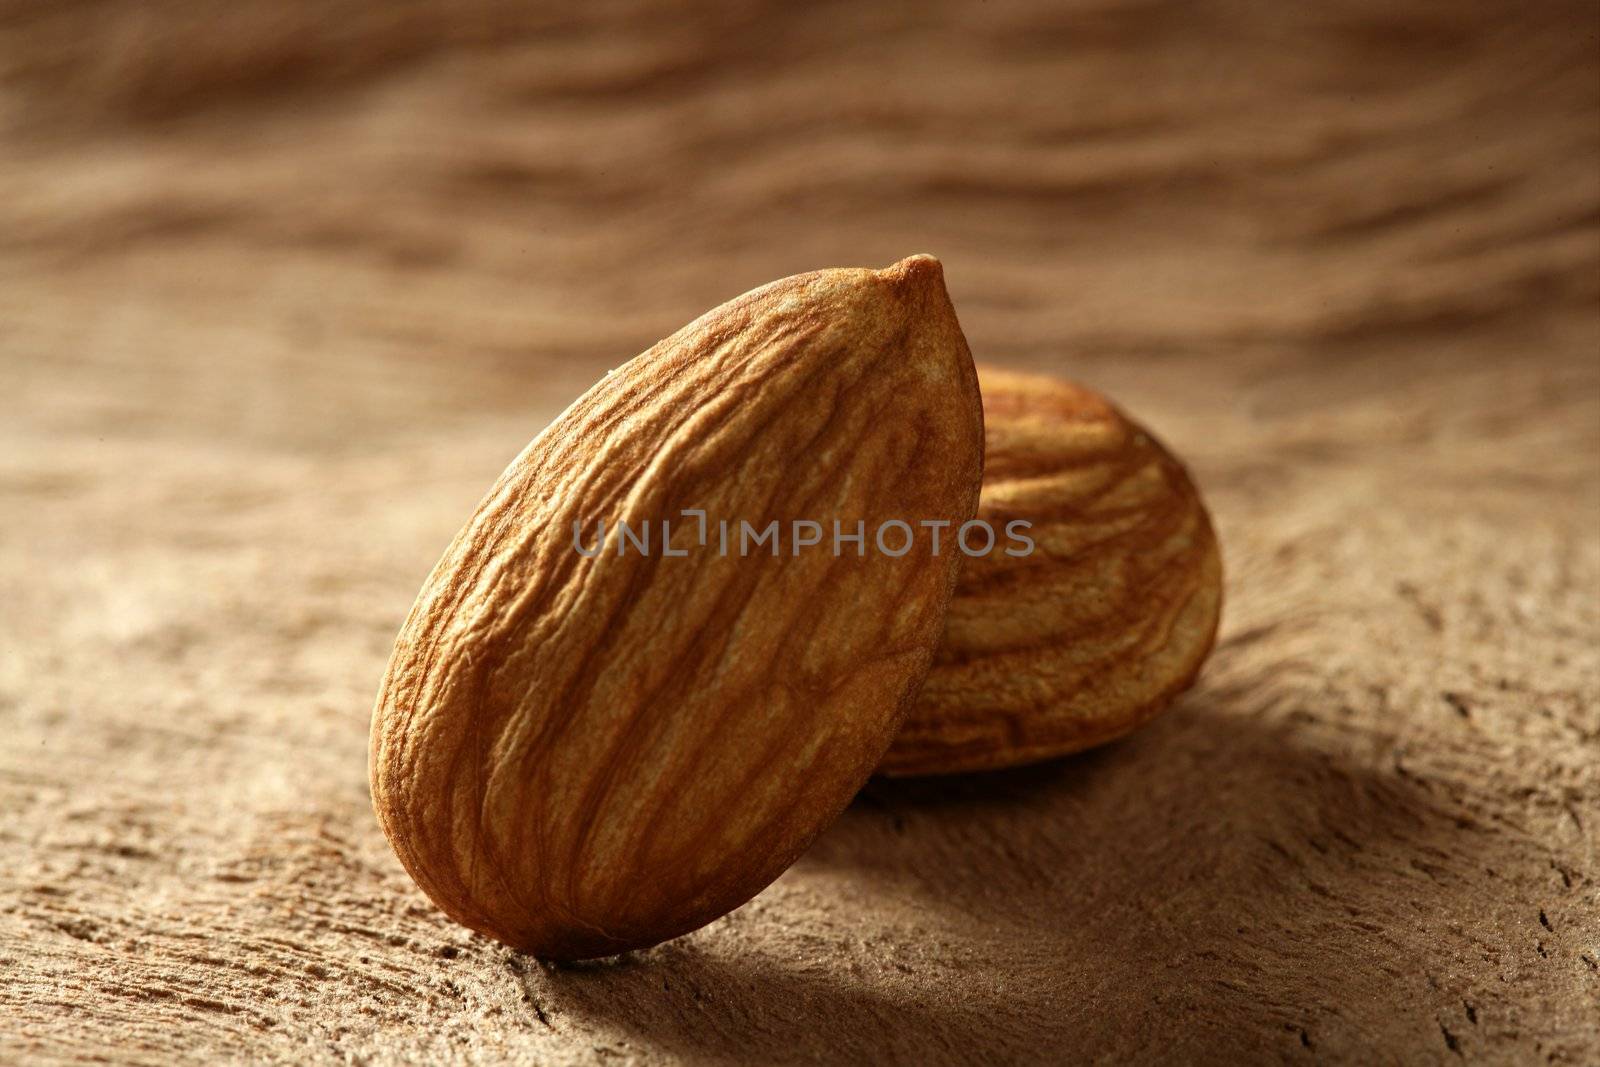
(284, 286)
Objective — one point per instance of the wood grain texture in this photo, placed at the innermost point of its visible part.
(1099, 622)
(584, 744)
(283, 285)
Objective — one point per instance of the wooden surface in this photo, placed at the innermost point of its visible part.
(282, 289)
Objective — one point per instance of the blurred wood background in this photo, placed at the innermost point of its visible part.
(283, 286)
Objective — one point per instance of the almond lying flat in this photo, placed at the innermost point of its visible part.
(1097, 630)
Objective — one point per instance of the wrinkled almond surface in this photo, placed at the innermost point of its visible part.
(580, 756)
(1108, 619)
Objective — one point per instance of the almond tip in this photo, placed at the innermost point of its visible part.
(921, 268)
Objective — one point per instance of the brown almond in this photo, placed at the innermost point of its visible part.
(581, 755)
(1107, 619)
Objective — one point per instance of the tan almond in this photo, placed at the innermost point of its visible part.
(582, 755)
(1108, 618)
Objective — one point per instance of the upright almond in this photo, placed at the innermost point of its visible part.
(581, 754)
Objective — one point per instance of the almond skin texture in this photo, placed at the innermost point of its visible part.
(1102, 625)
(580, 756)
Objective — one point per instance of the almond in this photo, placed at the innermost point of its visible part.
(580, 755)
(1097, 629)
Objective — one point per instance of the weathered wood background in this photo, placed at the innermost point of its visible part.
(284, 285)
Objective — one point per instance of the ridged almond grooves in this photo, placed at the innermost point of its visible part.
(580, 756)
(1097, 630)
